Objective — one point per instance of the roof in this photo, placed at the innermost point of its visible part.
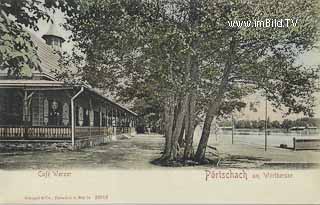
(48, 57)
(29, 83)
(45, 84)
(104, 97)
(49, 62)
(49, 84)
(53, 31)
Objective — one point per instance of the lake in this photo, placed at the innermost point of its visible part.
(256, 137)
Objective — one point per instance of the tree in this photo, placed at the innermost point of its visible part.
(142, 47)
(275, 124)
(264, 57)
(287, 124)
(184, 54)
(18, 55)
(149, 112)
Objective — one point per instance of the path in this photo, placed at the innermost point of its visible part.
(139, 151)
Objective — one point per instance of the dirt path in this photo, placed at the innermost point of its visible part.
(139, 151)
(134, 153)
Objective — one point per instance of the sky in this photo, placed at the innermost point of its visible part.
(310, 58)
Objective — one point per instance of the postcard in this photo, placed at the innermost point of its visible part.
(159, 102)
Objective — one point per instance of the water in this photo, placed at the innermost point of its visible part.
(257, 137)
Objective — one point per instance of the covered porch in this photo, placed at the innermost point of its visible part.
(48, 111)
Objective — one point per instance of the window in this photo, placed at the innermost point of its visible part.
(37, 110)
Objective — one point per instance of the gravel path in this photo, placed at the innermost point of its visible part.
(139, 151)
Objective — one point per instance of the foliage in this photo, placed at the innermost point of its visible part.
(149, 113)
(169, 52)
(18, 55)
(263, 57)
(260, 124)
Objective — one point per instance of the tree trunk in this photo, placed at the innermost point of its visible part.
(211, 113)
(214, 106)
(177, 129)
(194, 76)
(188, 151)
(201, 150)
(168, 126)
(182, 133)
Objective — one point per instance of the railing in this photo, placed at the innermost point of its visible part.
(15, 132)
(81, 132)
(121, 130)
(49, 132)
(10, 132)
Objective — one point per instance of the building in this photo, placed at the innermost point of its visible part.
(43, 110)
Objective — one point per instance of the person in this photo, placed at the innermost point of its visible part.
(55, 114)
(149, 130)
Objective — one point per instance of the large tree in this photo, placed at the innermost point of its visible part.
(141, 48)
(188, 57)
(264, 57)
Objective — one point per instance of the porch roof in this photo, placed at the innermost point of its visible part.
(51, 85)
(105, 98)
(23, 83)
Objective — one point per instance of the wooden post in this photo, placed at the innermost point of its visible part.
(26, 112)
(25, 115)
(111, 120)
(107, 116)
(91, 121)
(100, 120)
(73, 124)
(266, 125)
(232, 130)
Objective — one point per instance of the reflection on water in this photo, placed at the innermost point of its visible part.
(275, 137)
